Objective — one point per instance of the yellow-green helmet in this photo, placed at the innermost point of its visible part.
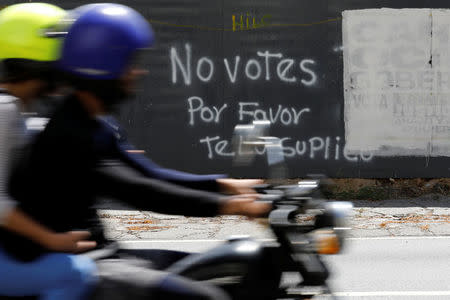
(22, 31)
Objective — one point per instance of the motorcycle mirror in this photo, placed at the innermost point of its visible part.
(246, 139)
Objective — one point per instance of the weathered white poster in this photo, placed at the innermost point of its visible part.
(397, 81)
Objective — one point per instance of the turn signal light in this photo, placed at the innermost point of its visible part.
(327, 243)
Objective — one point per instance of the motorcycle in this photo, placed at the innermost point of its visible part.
(305, 227)
(250, 269)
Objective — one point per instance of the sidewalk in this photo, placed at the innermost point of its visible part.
(428, 215)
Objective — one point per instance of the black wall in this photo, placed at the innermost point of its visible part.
(308, 33)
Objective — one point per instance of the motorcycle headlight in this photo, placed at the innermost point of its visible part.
(340, 210)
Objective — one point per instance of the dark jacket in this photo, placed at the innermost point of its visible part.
(75, 160)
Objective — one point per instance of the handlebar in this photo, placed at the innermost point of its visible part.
(290, 201)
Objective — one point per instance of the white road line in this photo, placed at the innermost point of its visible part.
(441, 237)
(392, 293)
(273, 240)
(185, 241)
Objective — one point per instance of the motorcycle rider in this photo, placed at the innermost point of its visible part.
(83, 154)
(25, 57)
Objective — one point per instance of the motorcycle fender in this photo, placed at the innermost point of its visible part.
(234, 258)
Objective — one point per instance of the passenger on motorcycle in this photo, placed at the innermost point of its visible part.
(25, 57)
(83, 154)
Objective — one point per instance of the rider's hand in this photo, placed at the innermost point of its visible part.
(238, 186)
(245, 205)
(72, 241)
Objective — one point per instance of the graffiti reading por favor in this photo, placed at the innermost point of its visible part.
(247, 112)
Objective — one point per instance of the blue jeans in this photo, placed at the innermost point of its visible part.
(53, 276)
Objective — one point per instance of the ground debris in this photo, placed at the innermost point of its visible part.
(140, 222)
(148, 228)
(414, 218)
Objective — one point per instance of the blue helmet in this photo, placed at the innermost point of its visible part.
(103, 40)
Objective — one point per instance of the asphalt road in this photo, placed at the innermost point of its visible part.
(370, 268)
(393, 268)
(398, 249)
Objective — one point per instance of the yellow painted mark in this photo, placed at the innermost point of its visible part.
(207, 28)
